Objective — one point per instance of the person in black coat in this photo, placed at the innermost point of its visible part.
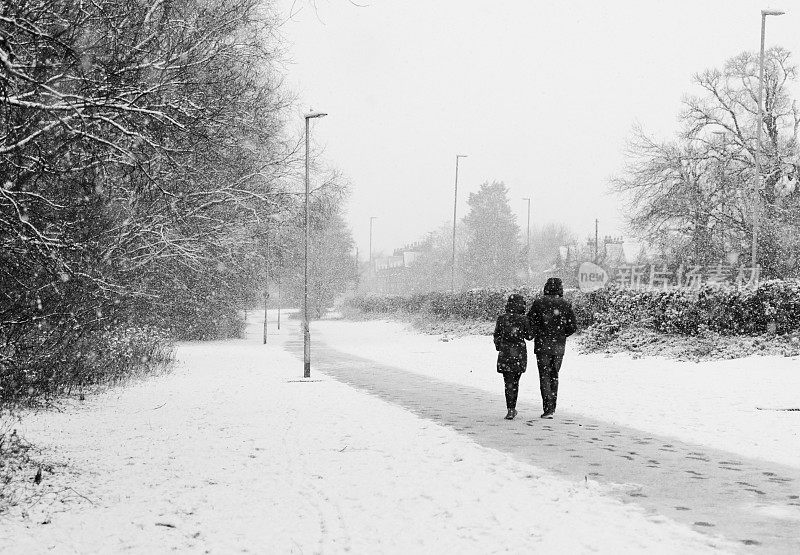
(510, 333)
(552, 320)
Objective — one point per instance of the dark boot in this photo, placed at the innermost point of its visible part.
(512, 391)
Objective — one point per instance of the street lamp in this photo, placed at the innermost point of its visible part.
(759, 122)
(596, 237)
(371, 219)
(455, 204)
(306, 331)
(528, 243)
(266, 281)
(723, 142)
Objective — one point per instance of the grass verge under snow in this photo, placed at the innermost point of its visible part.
(704, 346)
(636, 342)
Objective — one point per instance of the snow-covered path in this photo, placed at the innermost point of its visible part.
(752, 502)
(233, 453)
(713, 403)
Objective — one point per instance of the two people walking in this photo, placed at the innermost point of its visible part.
(548, 323)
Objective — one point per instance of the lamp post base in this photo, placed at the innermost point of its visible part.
(306, 352)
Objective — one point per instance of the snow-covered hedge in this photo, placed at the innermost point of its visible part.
(102, 356)
(606, 311)
(480, 304)
(724, 311)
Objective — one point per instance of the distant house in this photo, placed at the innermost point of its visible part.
(613, 253)
(389, 274)
(622, 252)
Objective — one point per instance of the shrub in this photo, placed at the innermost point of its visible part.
(377, 304)
(106, 355)
(607, 311)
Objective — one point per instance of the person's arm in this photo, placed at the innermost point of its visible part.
(534, 319)
(497, 332)
(527, 331)
(571, 324)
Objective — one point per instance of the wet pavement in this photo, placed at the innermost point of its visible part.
(754, 503)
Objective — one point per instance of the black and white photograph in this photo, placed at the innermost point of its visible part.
(399, 277)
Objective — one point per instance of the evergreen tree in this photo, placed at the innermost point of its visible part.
(493, 256)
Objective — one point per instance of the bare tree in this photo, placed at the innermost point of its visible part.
(670, 192)
(730, 105)
(697, 190)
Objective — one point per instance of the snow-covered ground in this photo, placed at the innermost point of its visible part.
(709, 403)
(233, 452)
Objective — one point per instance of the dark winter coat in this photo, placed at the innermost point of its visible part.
(552, 319)
(510, 333)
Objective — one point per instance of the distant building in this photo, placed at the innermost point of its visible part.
(613, 253)
(390, 274)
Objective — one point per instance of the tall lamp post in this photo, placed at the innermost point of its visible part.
(357, 271)
(371, 219)
(759, 123)
(723, 144)
(528, 243)
(306, 331)
(277, 276)
(455, 204)
(373, 278)
(596, 234)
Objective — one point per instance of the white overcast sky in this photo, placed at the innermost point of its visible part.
(540, 94)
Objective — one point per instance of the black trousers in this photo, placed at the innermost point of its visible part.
(512, 388)
(549, 365)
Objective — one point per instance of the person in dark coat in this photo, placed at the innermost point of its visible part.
(552, 320)
(510, 333)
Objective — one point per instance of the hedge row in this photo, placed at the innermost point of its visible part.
(476, 304)
(102, 356)
(724, 311)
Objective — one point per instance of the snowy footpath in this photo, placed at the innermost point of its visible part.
(724, 467)
(727, 404)
(234, 452)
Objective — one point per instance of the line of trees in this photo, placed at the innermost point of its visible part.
(491, 249)
(144, 149)
(694, 195)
